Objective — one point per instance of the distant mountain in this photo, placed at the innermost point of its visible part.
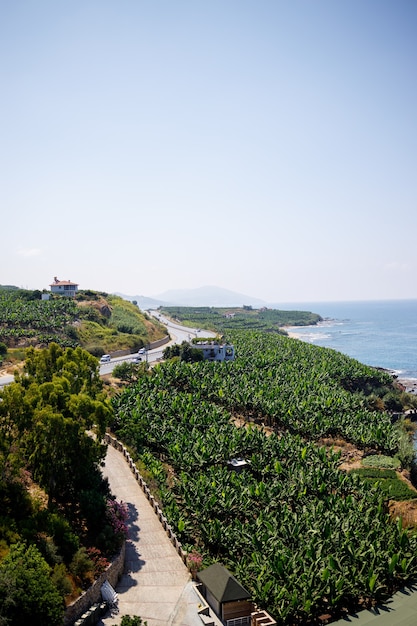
(144, 303)
(201, 296)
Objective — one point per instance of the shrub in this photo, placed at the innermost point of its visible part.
(82, 567)
(95, 351)
(123, 370)
(100, 562)
(64, 537)
(117, 514)
(61, 580)
(405, 444)
(132, 621)
(381, 461)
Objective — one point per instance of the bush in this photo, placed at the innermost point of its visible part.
(132, 621)
(61, 580)
(64, 537)
(100, 562)
(405, 444)
(381, 461)
(96, 351)
(82, 567)
(184, 351)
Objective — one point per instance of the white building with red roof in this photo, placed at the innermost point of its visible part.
(64, 288)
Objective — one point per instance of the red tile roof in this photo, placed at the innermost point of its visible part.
(63, 282)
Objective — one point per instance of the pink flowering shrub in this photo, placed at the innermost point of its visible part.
(117, 514)
(194, 561)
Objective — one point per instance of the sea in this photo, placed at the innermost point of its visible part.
(378, 333)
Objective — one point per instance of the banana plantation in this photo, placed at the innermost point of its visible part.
(47, 321)
(305, 538)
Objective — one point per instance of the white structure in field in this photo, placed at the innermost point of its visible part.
(213, 351)
(64, 288)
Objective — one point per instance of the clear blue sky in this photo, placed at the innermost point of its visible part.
(264, 146)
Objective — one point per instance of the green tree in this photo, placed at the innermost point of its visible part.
(63, 457)
(185, 351)
(27, 593)
(46, 416)
(130, 372)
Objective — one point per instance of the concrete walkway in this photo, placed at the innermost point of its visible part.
(156, 584)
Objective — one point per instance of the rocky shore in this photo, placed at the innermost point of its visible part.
(409, 384)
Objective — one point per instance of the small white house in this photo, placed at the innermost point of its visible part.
(213, 351)
(64, 288)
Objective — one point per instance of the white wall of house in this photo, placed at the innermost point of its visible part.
(216, 352)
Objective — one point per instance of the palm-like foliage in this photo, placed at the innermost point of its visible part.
(303, 536)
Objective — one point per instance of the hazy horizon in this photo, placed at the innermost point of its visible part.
(268, 148)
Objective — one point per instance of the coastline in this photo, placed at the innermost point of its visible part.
(409, 384)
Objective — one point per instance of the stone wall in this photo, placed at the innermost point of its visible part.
(93, 594)
(151, 346)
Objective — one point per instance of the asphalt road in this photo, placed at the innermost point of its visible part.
(178, 334)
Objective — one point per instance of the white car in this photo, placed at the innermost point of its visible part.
(137, 359)
(141, 351)
(106, 358)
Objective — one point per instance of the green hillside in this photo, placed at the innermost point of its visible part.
(96, 321)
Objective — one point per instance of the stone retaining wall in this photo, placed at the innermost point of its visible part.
(151, 346)
(93, 595)
(158, 511)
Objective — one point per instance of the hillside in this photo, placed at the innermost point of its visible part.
(96, 321)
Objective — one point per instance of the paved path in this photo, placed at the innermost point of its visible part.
(155, 585)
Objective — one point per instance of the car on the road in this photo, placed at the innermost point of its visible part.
(106, 358)
(137, 359)
(141, 351)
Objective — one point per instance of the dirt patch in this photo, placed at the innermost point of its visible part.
(407, 511)
(8, 369)
(350, 456)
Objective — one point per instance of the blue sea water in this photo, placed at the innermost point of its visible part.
(378, 333)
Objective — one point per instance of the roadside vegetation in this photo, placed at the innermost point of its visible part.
(59, 524)
(306, 538)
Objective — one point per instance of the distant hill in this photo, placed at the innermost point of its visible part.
(143, 302)
(201, 296)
